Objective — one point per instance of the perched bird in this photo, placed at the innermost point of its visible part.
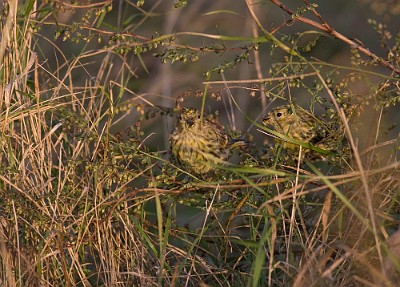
(296, 123)
(198, 143)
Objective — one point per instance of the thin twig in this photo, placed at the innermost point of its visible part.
(329, 30)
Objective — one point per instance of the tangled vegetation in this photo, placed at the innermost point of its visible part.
(91, 194)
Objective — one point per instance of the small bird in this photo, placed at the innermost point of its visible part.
(198, 143)
(296, 123)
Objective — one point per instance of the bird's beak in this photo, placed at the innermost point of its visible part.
(266, 120)
(190, 122)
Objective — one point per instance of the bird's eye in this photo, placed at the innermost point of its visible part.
(279, 114)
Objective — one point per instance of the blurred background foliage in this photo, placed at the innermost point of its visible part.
(120, 36)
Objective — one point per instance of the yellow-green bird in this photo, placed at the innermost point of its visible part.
(198, 143)
(296, 123)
